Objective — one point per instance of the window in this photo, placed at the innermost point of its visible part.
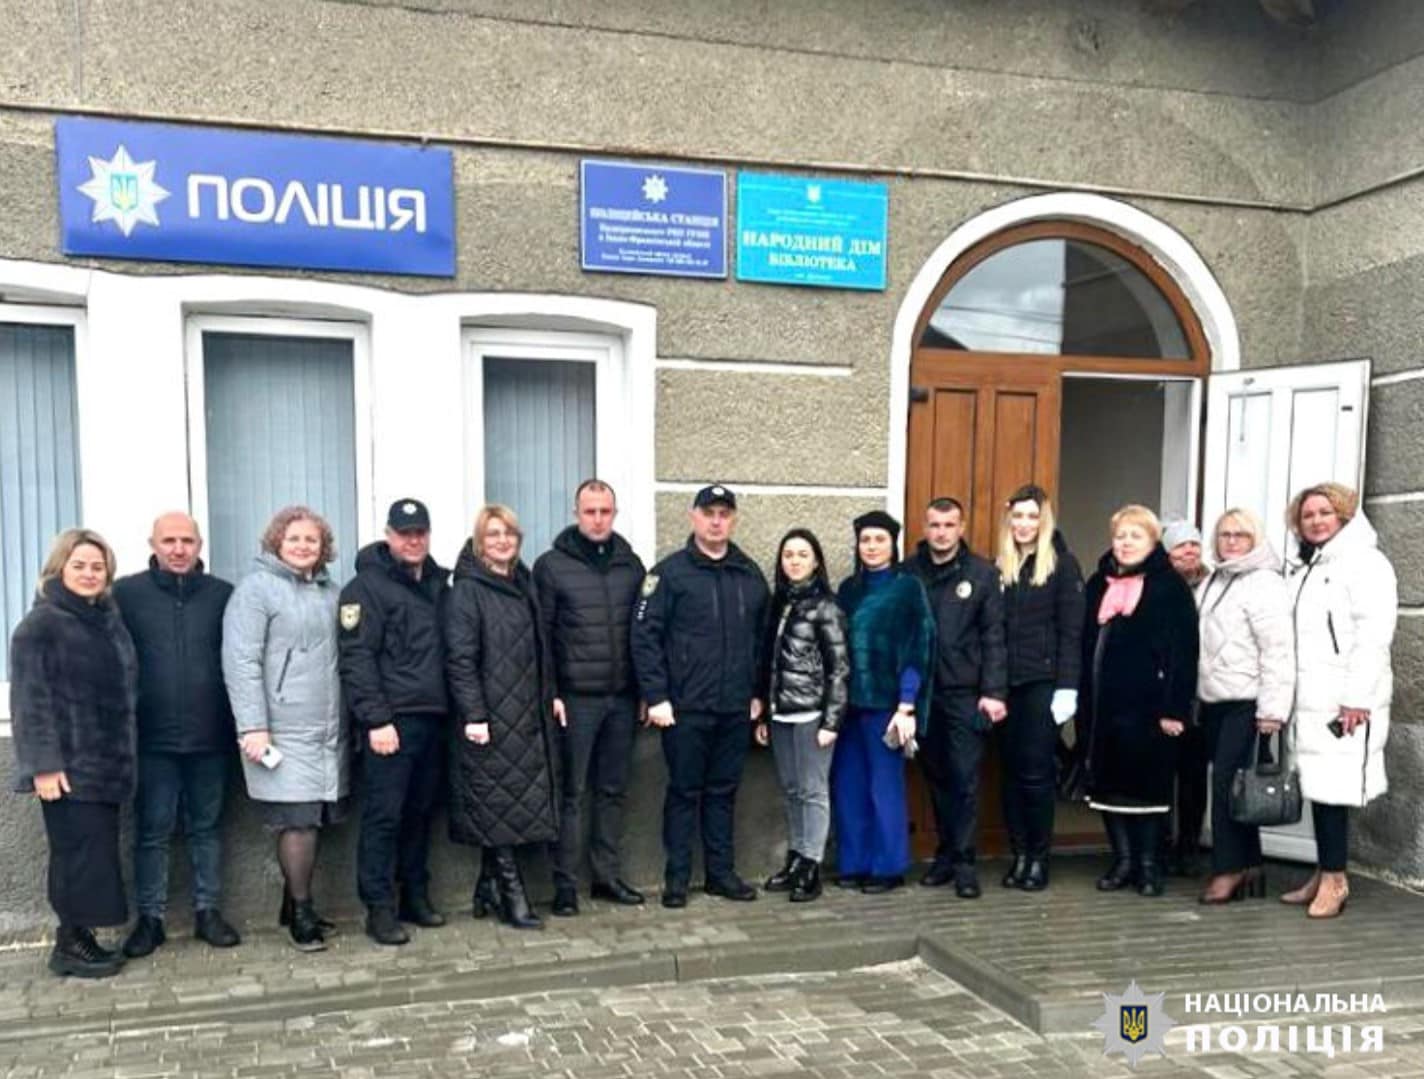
(279, 426)
(1061, 289)
(39, 458)
(539, 441)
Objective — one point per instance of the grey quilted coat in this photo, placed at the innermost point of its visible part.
(279, 663)
(503, 793)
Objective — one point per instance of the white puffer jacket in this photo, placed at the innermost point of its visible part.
(1346, 603)
(1247, 641)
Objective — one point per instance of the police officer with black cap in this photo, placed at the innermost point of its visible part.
(392, 660)
(695, 639)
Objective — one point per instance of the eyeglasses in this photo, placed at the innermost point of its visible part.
(1233, 537)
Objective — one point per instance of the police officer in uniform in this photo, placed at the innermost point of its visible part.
(393, 682)
(695, 636)
(970, 685)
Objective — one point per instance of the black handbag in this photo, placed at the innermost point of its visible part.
(1267, 793)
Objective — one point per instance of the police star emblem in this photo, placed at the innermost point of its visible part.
(123, 191)
(1134, 1024)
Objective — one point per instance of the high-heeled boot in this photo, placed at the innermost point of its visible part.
(514, 908)
(486, 900)
(1146, 832)
(1119, 873)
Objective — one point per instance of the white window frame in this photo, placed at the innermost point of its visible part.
(193, 363)
(86, 440)
(612, 410)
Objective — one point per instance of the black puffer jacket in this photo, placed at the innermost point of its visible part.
(176, 625)
(808, 658)
(697, 631)
(73, 687)
(503, 793)
(968, 606)
(586, 597)
(391, 645)
(1044, 623)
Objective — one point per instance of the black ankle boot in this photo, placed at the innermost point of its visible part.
(1119, 874)
(806, 884)
(514, 908)
(785, 877)
(288, 907)
(77, 954)
(1147, 844)
(1017, 868)
(486, 901)
(305, 928)
(1035, 876)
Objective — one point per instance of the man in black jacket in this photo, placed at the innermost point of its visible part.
(392, 661)
(587, 584)
(174, 612)
(695, 636)
(970, 685)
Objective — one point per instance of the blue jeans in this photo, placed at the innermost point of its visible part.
(194, 783)
(804, 769)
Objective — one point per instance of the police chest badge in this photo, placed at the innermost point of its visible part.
(350, 616)
(963, 589)
(650, 585)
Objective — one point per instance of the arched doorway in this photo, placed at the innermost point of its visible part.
(1057, 352)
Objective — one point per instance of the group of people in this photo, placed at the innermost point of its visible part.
(526, 687)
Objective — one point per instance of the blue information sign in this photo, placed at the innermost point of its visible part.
(196, 194)
(651, 219)
(799, 231)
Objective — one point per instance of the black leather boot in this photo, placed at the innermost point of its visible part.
(1017, 868)
(1035, 876)
(77, 954)
(416, 908)
(147, 937)
(486, 899)
(1147, 846)
(1119, 874)
(514, 908)
(288, 908)
(806, 884)
(305, 928)
(783, 879)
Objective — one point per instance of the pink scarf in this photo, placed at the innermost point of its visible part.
(1121, 597)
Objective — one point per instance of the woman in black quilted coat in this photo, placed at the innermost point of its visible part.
(504, 785)
(808, 666)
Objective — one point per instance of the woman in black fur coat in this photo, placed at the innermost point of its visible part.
(73, 686)
(1139, 682)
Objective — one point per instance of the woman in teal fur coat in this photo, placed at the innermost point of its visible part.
(891, 645)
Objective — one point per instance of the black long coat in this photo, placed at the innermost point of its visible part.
(503, 793)
(73, 687)
(1137, 669)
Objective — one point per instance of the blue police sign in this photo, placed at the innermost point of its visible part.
(799, 231)
(650, 219)
(194, 194)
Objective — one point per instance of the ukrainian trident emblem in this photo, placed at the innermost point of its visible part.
(1134, 1022)
(123, 191)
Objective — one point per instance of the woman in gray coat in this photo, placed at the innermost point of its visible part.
(279, 663)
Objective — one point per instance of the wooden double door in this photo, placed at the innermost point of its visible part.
(979, 428)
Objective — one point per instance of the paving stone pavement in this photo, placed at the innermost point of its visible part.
(1043, 961)
(900, 1019)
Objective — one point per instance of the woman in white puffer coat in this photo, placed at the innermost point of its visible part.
(1346, 603)
(1246, 681)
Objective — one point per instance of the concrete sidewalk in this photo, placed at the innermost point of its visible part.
(1045, 960)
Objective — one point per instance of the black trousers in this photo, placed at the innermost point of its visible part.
(86, 885)
(1332, 836)
(705, 752)
(596, 750)
(1193, 753)
(398, 800)
(1231, 736)
(950, 755)
(1028, 739)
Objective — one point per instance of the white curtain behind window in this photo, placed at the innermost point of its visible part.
(280, 416)
(39, 459)
(539, 442)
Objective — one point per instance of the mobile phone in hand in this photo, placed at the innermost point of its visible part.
(271, 757)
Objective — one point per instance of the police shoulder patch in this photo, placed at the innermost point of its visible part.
(350, 616)
(650, 584)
